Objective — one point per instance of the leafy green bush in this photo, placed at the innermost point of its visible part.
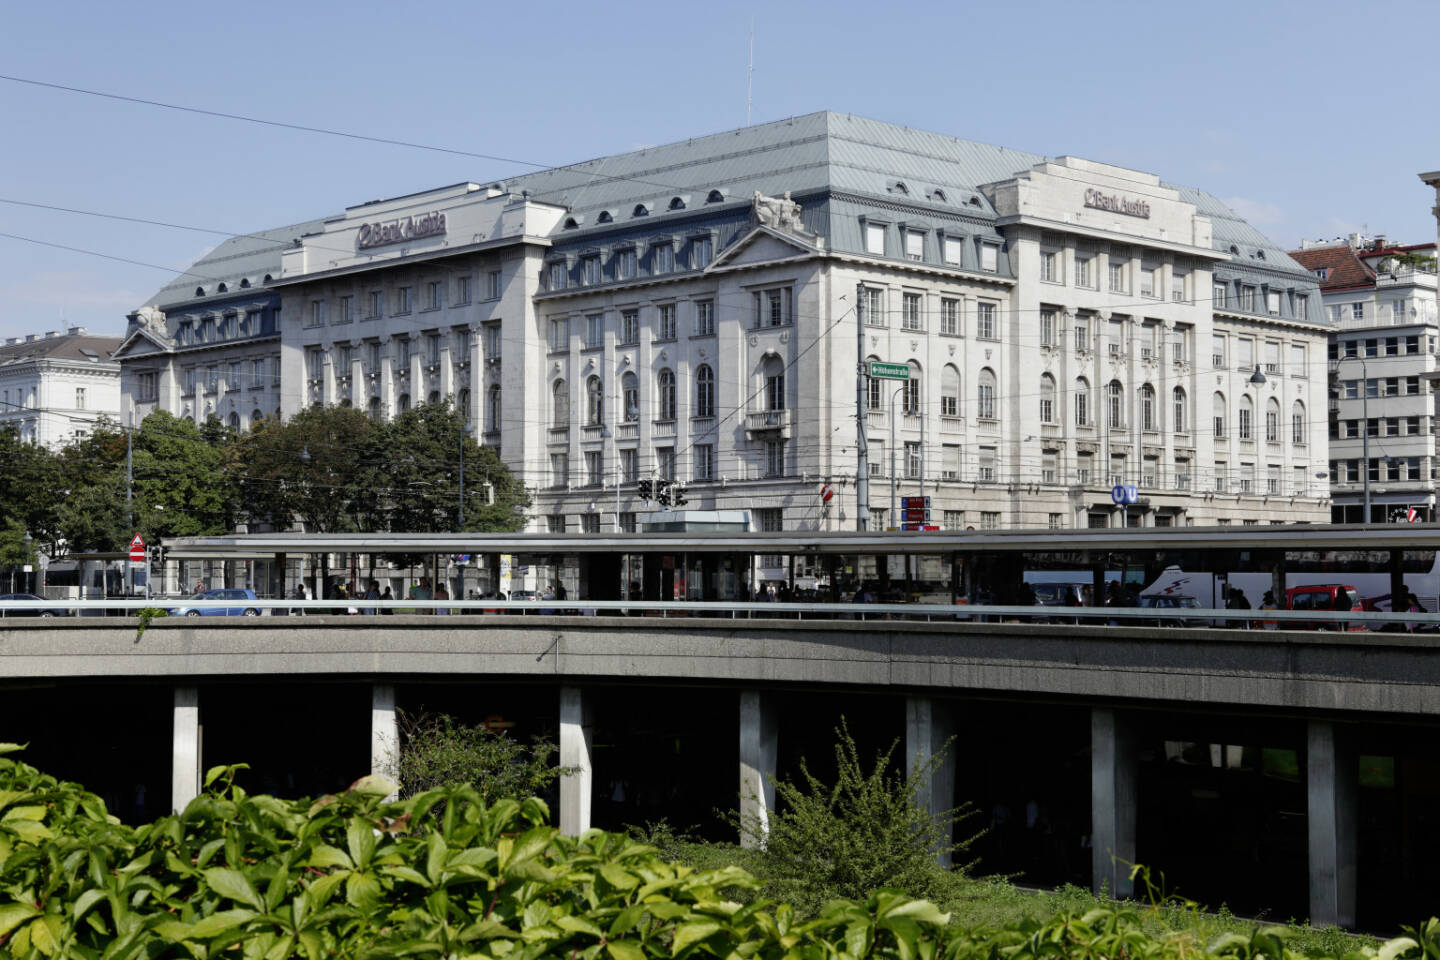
(438, 751)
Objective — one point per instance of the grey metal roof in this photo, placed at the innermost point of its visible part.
(248, 257)
(72, 346)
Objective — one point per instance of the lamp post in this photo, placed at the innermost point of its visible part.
(898, 391)
(1364, 427)
(29, 542)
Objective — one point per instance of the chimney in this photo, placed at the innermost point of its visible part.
(31, 338)
(75, 331)
(10, 342)
(51, 333)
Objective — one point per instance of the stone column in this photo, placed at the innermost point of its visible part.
(928, 726)
(759, 749)
(384, 732)
(1331, 781)
(185, 770)
(576, 790)
(1112, 803)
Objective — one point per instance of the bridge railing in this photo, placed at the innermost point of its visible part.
(225, 610)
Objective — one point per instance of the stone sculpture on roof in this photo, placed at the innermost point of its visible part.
(779, 212)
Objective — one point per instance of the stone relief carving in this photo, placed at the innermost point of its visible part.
(780, 212)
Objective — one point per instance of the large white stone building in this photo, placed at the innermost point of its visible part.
(1380, 299)
(55, 386)
(690, 311)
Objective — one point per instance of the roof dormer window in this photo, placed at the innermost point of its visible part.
(715, 196)
(604, 217)
(640, 210)
(677, 203)
(244, 283)
(222, 289)
(199, 291)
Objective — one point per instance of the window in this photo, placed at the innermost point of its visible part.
(875, 239)
(1247, 298)
(559, 274)
(1082, 335)
(1244, 354)
(1115, 405)
(1117, 468)
(317, 318)
(630, 397)
(232, 375)
(1272, 421)
(1147, 408)
(1047, 399)
(911, 392)
(595, 330)
(985, 320)
(1219, 295)
(625, 264)
(492, 285)
(1297, 422)
(1117, 277)
(1082, 402)
(1049, 461)
(1050, 266)
(79, 398)
(1084, 467)
(1147, 281)
(985, 395)
(989, 257)
(462, 291)
(1397, 311)
(1082, 271)
(559, 469)
(1357, 310)
(985, 465)
(1272, 356)
(629, 465)
(775, 458)
(772, 307)
(665, 462)
(1181, 412)
(555, 523)
(703, 466)
(1116, 337)
(146, 385)
(590, 269)
(953, 251)
(402, 300)
(1177, 286)
(594, 468)
(347, 310)
(1047, 327)
(627, 521)
(1222, 478)
(594, 401)
(492, 341)
(954, 519)
(875, 306)
(315, 362)
(665, 386)
(704, 318)
(1054, 521)
(432, 349)
(589, 523)
(1297, 360)
(914, 245)
(662, 257)
(950, 470)
(949, 391)
(702, 250)
(559, 334)
(1302, 306)
(432, 295)
(704, 391)
(560, 405)
(492, 408)
(1247, 415)
(1217, 351)
(402, 353)
(629, 327)
(667, 322)
(910, 313)
(914, 460)
(1180, 346)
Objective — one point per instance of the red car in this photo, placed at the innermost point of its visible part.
(1321, 596)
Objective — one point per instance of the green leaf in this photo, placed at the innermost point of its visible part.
(11, 747)
(688, 934)
(324, 855)
(85, 901)
(375, 786)
(29, 830)
(363, 892)
(360, 840)
(625, 921)
(921, 911)
(36, 812)
(45, 934)
(219, 922)
(572, 924)
(13, 914)
(857, 939)
(408, 874)
(1391, 949)
(624, 950)
(618, 877)
(233, 884)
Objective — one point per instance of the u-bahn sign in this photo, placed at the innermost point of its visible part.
(1125, 494)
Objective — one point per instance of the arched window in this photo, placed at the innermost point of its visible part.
(462, 404)
(630, 390)
(1147, 408)
(374, 408)
(402, 404)
(604, 217)
(1272, 421)
(715, 196)
(874, 390)
(560, 404)
(1082, 402)
(1297, 423)
(677, 203)
(594, 401)
(1220, 414)
(1181, 413)
(492, 411)
(913, 391)
(704, 391)
(640, 211)
(1115, 399)
(434, 397)
(1047, 398)
(665, 384)
(1247, 419)
(950, 391)
(985, 395)
(234, 422)
(774, 383)
(255, 417)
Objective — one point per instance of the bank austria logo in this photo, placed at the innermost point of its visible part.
(1117, 204)
(401, 230)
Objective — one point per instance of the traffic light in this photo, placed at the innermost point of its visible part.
(677, 498)
(662, 493)
(645, 488)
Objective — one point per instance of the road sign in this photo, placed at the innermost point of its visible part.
(137, 549)
(1125, 494)
(880, 370)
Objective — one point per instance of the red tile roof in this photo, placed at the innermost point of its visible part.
(1343, 268)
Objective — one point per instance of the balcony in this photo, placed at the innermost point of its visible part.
(769, 422)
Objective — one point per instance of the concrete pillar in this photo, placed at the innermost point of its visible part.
(384, 732)
(759, 752)
(185, 770)
(1331, 781)
(576, 789)
(1112, 803)
(929, 725)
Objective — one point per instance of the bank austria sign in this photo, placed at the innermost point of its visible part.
(1114, 203)
(402, 230)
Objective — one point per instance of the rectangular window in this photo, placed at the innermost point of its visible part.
(1272, 356)
(492, 341)
(347, 309)
(702, 250)
(1117, 277)
(629, 327)
(875, 239)
(1054, 521)
(914, 245)
(1219, 298)
(1050, 266)
(704, 462)
(913, 460)
(950, 463)
(1180, 346)
(662, 258)
(1049, 465)
(1302, 307)
(989, 257)
(985, 320)
(1297, 360)
(1247, 299)
(953, 519)
(147, 384)
(232, 375)
(953, 251)
(629, 465)
(402, 300)
(1082, 271)
(875, 306)
(1398, 313)
(402, 353)
(985, 465)
(989, 520)
(627, 521)
(377, 305)
(589, 523)
(80, 396)
(595, 330)
(665, 462)
(1084, 467)
(432, 348)
(492, 285)
(1117, 468)
(1222, 478)
(704, 318)
(432, 295)
(667, 322)
(590, 270)
(1272, 302)
(559, 334)
(625, 264)
(949, 316)
(594, 468)
(1082, 335)
(559, 469)
(775, 458)
(315, 362)
(1047, 327)
(910, 313)
(317, 315)
(1244, 354)
(772, 307)
(559, 275)
(462, 291)
(1246, 426)
(555, 523)
(1147, 281)
(1357, 310)
(372, 357)
(1177, 286)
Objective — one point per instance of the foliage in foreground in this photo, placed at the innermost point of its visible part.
(440, 751)
(357, 876)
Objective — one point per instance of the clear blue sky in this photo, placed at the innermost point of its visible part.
(1312, 118)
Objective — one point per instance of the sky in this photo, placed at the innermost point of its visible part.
(1296, 114)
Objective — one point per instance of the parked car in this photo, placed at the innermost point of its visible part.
(241, 597)
(1167, 601)
(1321, 596)
(33, 611)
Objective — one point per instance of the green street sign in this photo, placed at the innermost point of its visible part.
(881, 370)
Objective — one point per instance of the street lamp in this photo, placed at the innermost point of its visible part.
(29, 541)
(898, 391)
(1364, 426)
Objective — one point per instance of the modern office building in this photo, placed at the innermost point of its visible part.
(55, 386)
(699, 312)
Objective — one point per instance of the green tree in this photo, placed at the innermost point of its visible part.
(30, 485)
(314, 467)
(181, 488)
(438, 751)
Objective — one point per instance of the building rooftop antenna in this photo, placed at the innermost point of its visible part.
(750, 72)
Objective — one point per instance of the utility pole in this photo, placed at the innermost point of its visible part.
(129, 473)
(862, 445)
(460, 511)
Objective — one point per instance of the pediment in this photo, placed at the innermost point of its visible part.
(139, 343)
(764, 245)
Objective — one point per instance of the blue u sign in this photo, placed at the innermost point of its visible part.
(1125, 493)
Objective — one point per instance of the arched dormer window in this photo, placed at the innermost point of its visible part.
(715, 196)
(899, 187)
(640, 210)
(938, 195)
(268, 278)
(244, 283)
(677, 203)
(199, 291)
(222, 289)
(604, 217)
(571, 223)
